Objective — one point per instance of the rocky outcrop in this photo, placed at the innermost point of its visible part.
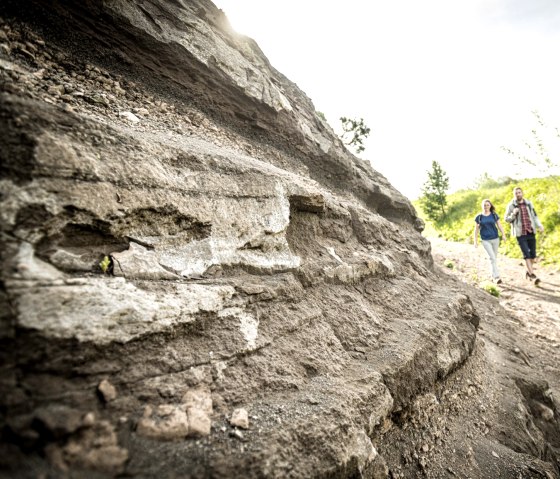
(197, 278)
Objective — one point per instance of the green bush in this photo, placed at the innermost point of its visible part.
(491, 288)
(464, 205)
(449, 264)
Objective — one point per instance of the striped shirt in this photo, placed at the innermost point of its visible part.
(526, 227)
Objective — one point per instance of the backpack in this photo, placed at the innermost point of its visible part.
(478, 219)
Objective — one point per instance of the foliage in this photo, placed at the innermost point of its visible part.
(354, 132)
(463, 206)
(321, 115)
(490, 288)
(541, 152)
(485, 181)
(474, 275)
(449, 264)
(105, 264)
(536, 151)
(434, 196)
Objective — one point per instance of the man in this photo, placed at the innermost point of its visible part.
(523, 218)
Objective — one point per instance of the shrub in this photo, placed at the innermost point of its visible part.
(449, 264)
(491, 288)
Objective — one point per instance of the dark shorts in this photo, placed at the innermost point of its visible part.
(528, 245)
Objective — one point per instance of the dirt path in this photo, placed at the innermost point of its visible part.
(535, 308)
(498, 415)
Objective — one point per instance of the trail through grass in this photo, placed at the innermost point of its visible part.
(464, 205)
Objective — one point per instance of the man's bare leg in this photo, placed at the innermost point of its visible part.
(529, 263)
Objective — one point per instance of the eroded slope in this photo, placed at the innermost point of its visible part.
(254, 263)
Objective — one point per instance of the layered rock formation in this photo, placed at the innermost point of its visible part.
(198, 279)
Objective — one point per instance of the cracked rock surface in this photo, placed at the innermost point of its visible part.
(198, 280)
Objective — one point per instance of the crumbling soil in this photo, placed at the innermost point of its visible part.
(534, 308)
(496, 416)
(469, 426)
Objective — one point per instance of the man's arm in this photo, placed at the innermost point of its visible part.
(538, 223)
(511, 213)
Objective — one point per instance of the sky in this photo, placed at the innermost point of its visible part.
(451, 81)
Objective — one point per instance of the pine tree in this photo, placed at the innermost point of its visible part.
(434, 197)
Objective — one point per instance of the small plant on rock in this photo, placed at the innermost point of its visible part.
(449, 264)
(474, 276)
(105, 265)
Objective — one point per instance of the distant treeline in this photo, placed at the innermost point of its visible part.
(464, 205)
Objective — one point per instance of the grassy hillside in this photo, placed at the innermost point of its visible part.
(463, 206)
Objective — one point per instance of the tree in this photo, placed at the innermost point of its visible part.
(541, 151)
(486, 181)
(434, 197)
(354, 132)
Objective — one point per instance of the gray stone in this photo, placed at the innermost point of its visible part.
(58, 419)
(129, 116)
(199, 422)
(198, 398)
(95, 448)
(544, 411)
(140, 263)
(166, 423)
(240, 418)
(107, 391)
(198, 404)
(141, 111)
(56, 90)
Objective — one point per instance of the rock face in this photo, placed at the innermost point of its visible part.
(180, 226)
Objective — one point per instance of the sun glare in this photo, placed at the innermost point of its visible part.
(437, 80)
(243, 23)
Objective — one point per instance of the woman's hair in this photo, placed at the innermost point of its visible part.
(492, 209)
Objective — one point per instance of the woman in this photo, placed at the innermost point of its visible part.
(488, 223)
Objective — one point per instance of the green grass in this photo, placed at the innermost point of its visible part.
(449, 264)
(464, 205)
(490, 288)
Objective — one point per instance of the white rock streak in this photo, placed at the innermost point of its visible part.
(248, 232)
(248, 324)
(106, 310)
